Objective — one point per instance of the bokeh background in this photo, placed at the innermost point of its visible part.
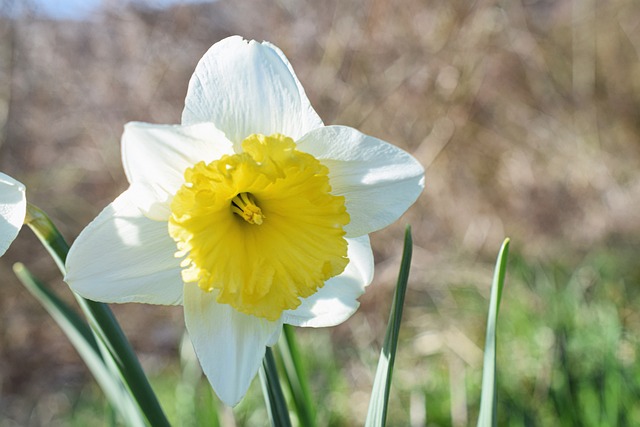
(525, 114)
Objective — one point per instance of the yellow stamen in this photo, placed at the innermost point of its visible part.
(244, 205)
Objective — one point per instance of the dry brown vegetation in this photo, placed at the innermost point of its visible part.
(525, 114)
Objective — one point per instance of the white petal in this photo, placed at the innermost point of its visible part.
(379, 181)
(230, 345)
(337, 300)
(156, 156)
(123, 256)
(275, 336)
(246, 87)
(13, 206)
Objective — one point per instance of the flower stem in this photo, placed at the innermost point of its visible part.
(276, 404)
(102, 322)
(296, 377)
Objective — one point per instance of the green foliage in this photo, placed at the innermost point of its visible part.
(115, 351)
(575, 361)
(272, 392)
(85, 343)
(568, 348)
(489, 396)
(293, 367)
(567, 356)
(378, 405)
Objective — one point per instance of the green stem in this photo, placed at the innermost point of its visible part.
(296, 376)
(276, 404)
(103, 323)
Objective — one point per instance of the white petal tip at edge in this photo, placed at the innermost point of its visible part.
(230, 345)
(378, 180)
(123, 256)
(13, 207)
(247, 87)
(337, 300)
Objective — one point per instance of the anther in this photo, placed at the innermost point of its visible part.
(244, 205)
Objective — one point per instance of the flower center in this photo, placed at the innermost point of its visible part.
(261, 227)
(246, 208)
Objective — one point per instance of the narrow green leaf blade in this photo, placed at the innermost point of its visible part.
(48, 234)
(488, 398)
(276, 404)
(82, 339)
(108, 330)
(377, 414)
(103, 323)
(296, 377)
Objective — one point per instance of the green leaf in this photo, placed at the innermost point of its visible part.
(276, 404)
(377, 414)
(103, 324)
(83, 340)
(296, 377)
(48, 234)
(488, 399)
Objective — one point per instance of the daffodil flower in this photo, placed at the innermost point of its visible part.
(13, 207)
(251, 213)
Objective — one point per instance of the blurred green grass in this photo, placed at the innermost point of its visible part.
(567, 355)
(525, 115)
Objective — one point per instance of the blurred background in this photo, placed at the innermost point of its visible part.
(525, 115)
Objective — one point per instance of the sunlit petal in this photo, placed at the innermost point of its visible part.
(156, 156)
(230, 345)
(13, 205)
(123, 256)
(247, 87)
(379, 181)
